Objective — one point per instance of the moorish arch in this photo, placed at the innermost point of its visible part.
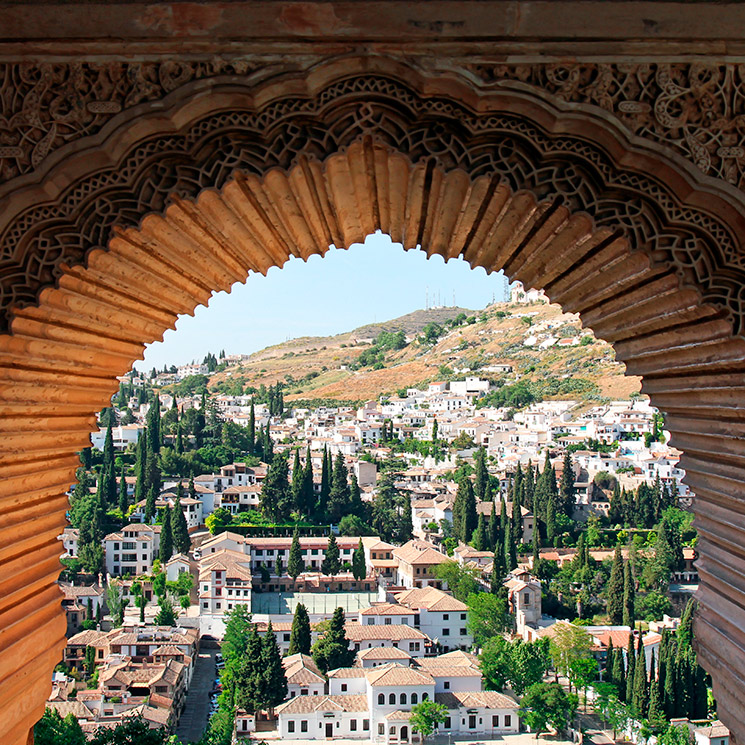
(107, 239)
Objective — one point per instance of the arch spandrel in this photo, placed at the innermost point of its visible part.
(120, 237)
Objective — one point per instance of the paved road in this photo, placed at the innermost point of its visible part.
(196, 711)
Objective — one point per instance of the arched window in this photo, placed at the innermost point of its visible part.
(425, 696)
(392, 698)
(414, 698)
(402, 698)
(381, 698)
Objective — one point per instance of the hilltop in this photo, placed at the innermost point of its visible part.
(538, 342)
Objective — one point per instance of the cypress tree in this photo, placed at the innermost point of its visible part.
(179, 528)
(493, 527)
(655, 711)
(639, 697)
(275, 490)
(630, 669)
(359, 566)
(166, 537)
(551, 528)
(536, 551)
(179, 438)
(482, 474)
(566, 489)
(332, 649)
(464, 511)
(480, 539)
(497, 572)
(323, 495)
(296, 489)
(268, 451)
(629, 612)
(192, 488)
(529, 489)
(338, 500)
(295, 563)
(300, 632)
(356, 507)
(152, 495)
(251, 435)
(309, 498)
(670, 697)
(684, 633)
(274, 689)
(614, 591)
(331, 563)
(619, 674)
(510, 552)
(123, 497)
(610, 659)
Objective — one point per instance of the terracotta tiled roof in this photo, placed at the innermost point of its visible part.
(473, 699)
(383, 653)
(308, 704)
(398, 675)
(387, 609)
(392, 632)
(349, 672)
(432, 599)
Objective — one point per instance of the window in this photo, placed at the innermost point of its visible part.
(446, 632)
(218, 605)
(392, 699)
(303, 691)
(381, 698)
(495, 720)
(526, 598)
(381, 729)
(507, 720)
(343, 687)
(370, 621)
(402, 698)
(387, 621)
(286, 637)
(445, 616)
(448, 723)
(291, 726)
(463, 631)
(366, 724)
(303, 725)
(425, 696)
(446, 685)
(414, 699)
(462, 616)
(353, 725)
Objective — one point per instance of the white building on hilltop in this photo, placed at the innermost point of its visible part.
(519, 295)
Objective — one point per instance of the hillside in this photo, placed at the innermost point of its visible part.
(539, 341)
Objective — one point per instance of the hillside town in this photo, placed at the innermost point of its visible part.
(465, 558)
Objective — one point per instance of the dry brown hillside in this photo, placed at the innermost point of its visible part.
(501, 334)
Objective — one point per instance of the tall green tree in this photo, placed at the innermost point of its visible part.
(275, 490)
(179, 528)
(251, 434)
(566, 488)
(359, 567)
(639, 697)
(295, 563)
(300, 636)
(309, 497)
(274, 688)
(332, 649)
(166, 536)
(614, 589)
(338, 499)
(629, 611)
(464, 511)
(331, 563)
(123, 496)
(152, 496)
(482, 474)
(297, 488)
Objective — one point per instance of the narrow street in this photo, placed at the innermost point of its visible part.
(195, 715)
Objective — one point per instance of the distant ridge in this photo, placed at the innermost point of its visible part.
(414, 322)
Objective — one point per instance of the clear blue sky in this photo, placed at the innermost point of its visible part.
(374, 281)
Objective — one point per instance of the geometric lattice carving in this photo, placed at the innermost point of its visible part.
(697, 109)
(697, 245)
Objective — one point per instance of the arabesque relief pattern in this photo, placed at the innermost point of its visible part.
(701, 249)
(697, 109)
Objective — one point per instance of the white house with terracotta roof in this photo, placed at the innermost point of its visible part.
(439, 615)
(386, 614)
(417, 560)
(132, 549)
(374, 703)
(411, 640)
(303, 676)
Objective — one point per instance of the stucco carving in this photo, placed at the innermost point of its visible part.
(697, 109)
(701, 249)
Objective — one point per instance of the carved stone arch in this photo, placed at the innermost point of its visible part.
(105, 246)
